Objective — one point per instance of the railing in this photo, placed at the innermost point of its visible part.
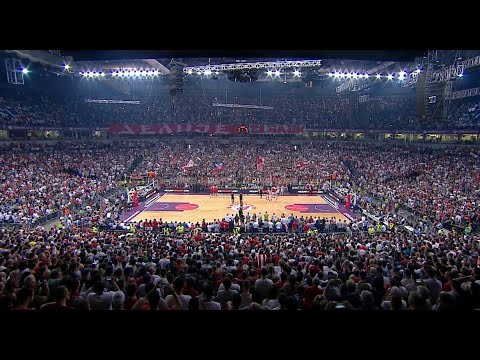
(44, 219)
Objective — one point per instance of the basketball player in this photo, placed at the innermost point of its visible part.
(233, 198)
(274, 193)
(241, 200)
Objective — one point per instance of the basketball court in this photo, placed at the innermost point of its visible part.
(193, 208)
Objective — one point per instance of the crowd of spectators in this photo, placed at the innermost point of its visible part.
(390, 113)
(38, 180)
(310, 163)
(465, 113)
(41, 111)
(82, 270)
(380, 113)
(83, 264)
(441, 184)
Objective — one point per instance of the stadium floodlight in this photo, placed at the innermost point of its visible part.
(66, 67)
(365, 76)
(277, 73)
(390, 77)
(460, 75)
(296, 73)
(189, 71)
(351, 84)
(208, 72)
(269, 72)
(378, 76)
(25, 71)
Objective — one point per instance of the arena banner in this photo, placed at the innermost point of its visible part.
(297, 190)
(219, 129)
(306, 191)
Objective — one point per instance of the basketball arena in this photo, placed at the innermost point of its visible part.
(333, 182)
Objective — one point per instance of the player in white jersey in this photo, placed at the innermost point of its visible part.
(274, 194)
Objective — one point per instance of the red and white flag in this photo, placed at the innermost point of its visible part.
(260, 162)
(188, 166)
(303, 164)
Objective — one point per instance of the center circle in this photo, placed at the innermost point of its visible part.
(186, 206)
(245, 207)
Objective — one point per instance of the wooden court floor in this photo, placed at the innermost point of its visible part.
(174, 207)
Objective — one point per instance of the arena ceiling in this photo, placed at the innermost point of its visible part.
(202, 57)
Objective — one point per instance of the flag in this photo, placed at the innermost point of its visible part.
(188, 166)
(303, 164)
(260, 162)
(217, 166)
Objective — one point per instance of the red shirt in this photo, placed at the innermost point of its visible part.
(190, 291)
(310, 293)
